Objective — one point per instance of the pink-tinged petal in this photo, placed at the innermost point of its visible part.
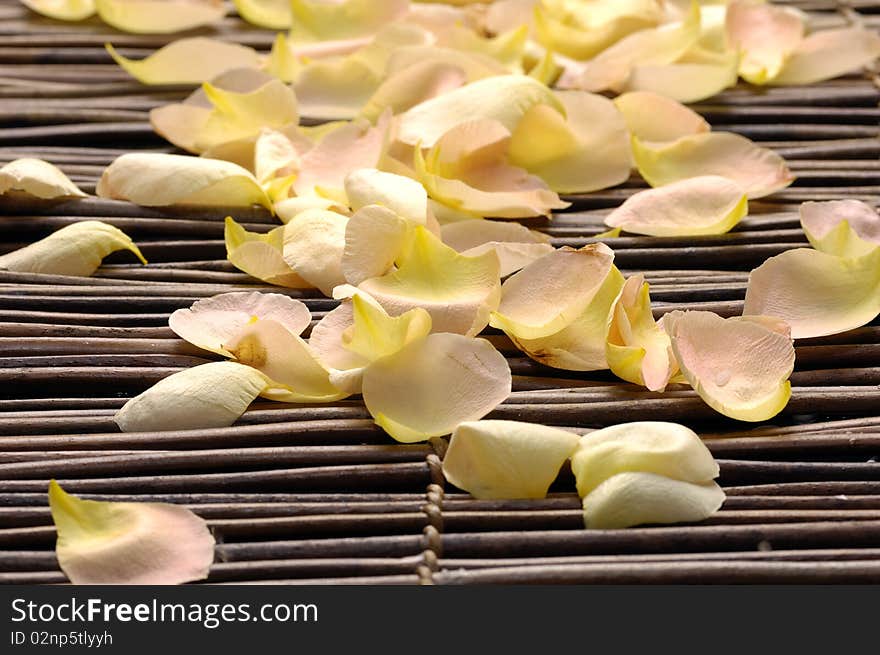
(511, 256)
(374, 238)
(658, 118)
(159, 16)
(434, 384)
(765, 34)
(129, 543)
(816, 293)
(314, 20)
(474, 65)
(413, 85)
(275, 155)
(690, 79)
(402, 195)
(326, 341)
(38, 179)
(464, 235)
(261, 255)
(336, 88)
(759, 171)
(846, 228)
(313, 245)
(739, 368)
(708, 204)
(506, 459)
(214, 321)
(828, 54)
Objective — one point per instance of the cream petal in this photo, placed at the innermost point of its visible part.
(506, 459)
(475, 66)
(374, 238)
(630, 499)
(766, 34)
(458, 292)
(846, 228)
(708, 204)
(211, 395)
(290, 208)
(75, 249)
(314, 20)
(467, 234)
(739, 368)
(292, 369)
(511, 256)
(374, 334)
(212, 322)
(667, 449)
(313, 245)
(402, 195)
(816, 293)
(335, 89)
(272, 14)
(282, 62)
(759, 171)
(157, 179)
(128, 543)
(187, 61)
(828, 54)
(275, 155)
(71, 10)
(434, 384)
(159, 16)
(655, 117)
(37, 178)
(583, 151)
(261, 255)
(326, 341)
(687, 80)
(403, 90)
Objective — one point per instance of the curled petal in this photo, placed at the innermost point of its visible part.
(187, 61)
(828, 54)
(690, 79)
(208, 396)
(159, 16)
(630, 499)
(458, 292)
(816, 293)
(667, 449)
(326, 341)
(740, 368)
(326, 21)
(272, 14)
(336, 88)
(62, 9)
(76, 249)
(282, 61)
(212, 322)
(128, 543)
(464, 235)
(759, 171)
(156, 179)
(374, 334)
(637, 349)
(292, 370)
(506, 459)
(290, 208)
(654, 117)
(846, 228)
(475, 66)
(413, 85)
(402, 195)
(708, 204)
(261, 255)
(374, 238)
(511, 256)
(432, 385)
(37, 178)
(313, 245)
(766, 34)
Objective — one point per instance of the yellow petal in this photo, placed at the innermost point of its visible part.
(208, 396)
(157, 179)
(474, 65)
(335, 89)
(187, 61)
(413, 85)
(708, 204)
(260, 255)
(759, 171)
(739, 368)
(76, 249)
(637, 349)
(282, 61)
(506, 459)
(37, 178)
(214, 321)
(402, 195)
(289, 208)
(374, 238)
(584, 150)
(690, 79)
(434, 384)
(62, 9)
(630, 499)
(516, 245)
(346, 367)
(654, 117)
(846, 228)
(374, 334)
(272, 14)
(313, 245)
(828, 54)
(324, 21)
(458, 292)
(275, 155)
(504, 98)
(159, 16)
(128, 543)
(667, 449)
(766, 34)
(508, 47)
(291, 368)
(816, 293)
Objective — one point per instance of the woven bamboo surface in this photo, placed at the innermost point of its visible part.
(302, 494)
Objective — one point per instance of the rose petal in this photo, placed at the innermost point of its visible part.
(62, 9)
(313, 20)
(431, 386)
(187, 61)
(75, 249)
(828, 54)
(464, 235)
(346, 367)
(846, 228)
(654, 117)
(313, 245)
(156, 179)
(261, 255)
(374, 334)
(208, 396)
(159, 16)
(506, 459)
(374, 238)
(282, 62)
(37, 178)
(335, 89)
(739, 368)
(708, 204)
(413, 85)
(816, 293)
(766, 34)
(212, 322)
(759, 171)
(272, 14)
(692, 78)
(128, 543)
(475, 66)
(630, 499)
(667, 449)
(402, 195)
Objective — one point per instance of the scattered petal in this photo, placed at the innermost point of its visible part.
(506, 459)
(313, 245)
(374, 238)
(336, 88)
(402, 195)
(464, 235)
(346, 367)
(692, 78)
(415, 84)
(374, 334)
(159, 16)
(62, 9)
(260, 255)
(828, 54)
(766, 34)
(654, 117)
(187, 61)
(846, 228)
(37, 178)
(272, 14)
(327, 21)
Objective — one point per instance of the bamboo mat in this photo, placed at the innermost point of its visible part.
(302, 494)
